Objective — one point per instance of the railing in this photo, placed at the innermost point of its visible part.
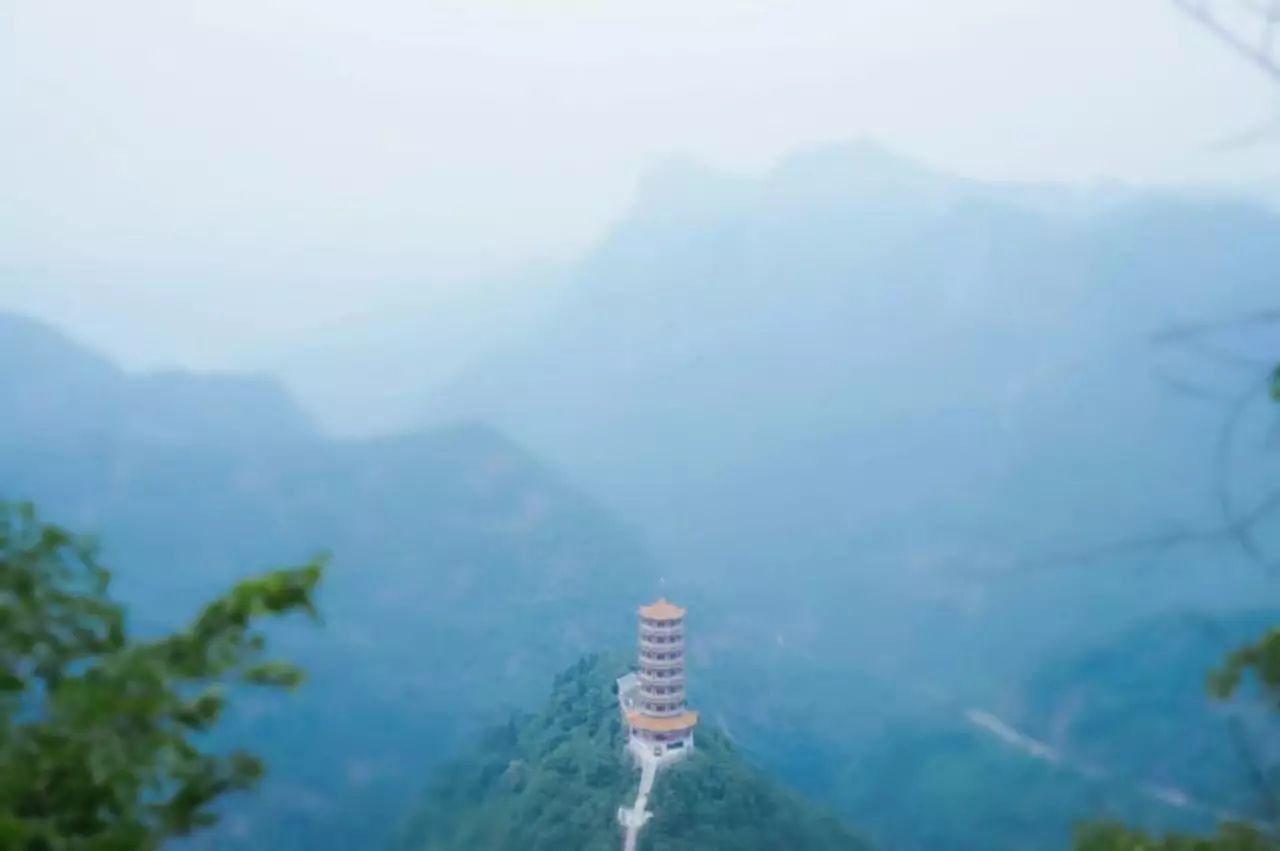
(650, 687)
(644, 694)
(649, 662)
(663, 646)
(645, 680)
(661, 630)
(663, 650)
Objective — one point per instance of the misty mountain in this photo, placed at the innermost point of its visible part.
(899, 440)
(857, 374)
(463, 571)
(905, 438)
(59, 393)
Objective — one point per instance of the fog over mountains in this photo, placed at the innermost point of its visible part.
(906, 444)
(855, 370)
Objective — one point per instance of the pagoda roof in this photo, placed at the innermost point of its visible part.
(662, 611)
(684, 721)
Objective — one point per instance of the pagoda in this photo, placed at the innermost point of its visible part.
(659, 723)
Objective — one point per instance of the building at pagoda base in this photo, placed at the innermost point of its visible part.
(652, 700)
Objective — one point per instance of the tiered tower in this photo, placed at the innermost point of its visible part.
(660, 723)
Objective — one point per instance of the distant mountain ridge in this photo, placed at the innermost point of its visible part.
(760, 371)
(464, 572)
(900, 439)
(682, 191)
(930, 432)
(59, 391)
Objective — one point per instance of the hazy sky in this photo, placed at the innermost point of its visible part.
(187, 181)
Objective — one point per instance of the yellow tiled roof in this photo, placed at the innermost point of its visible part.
(683, 721)
(662, 611)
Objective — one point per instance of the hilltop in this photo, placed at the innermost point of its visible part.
(555, 780)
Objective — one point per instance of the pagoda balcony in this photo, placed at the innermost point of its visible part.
(665, 664)
(674, 678)
(653, 629)
(661, 710)
(664, 710)
(675, 646)
(655, 686)
(649, 697)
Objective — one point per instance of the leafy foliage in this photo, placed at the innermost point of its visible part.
(1262, 658)
(555, 780)
(99, 733)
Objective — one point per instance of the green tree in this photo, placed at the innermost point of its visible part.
(1261, 660)
(102, 736)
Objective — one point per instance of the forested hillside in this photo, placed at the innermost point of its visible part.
(555, 779)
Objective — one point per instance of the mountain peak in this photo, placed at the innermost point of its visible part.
(863, 154)
(677, 190)
(683, 188)
(557, 778)
(850, 167)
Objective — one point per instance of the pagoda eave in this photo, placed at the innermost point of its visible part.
(686, 720)
(662, 610)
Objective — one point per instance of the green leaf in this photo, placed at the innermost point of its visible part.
(121, 720)
(203, 711)
(279, 674)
